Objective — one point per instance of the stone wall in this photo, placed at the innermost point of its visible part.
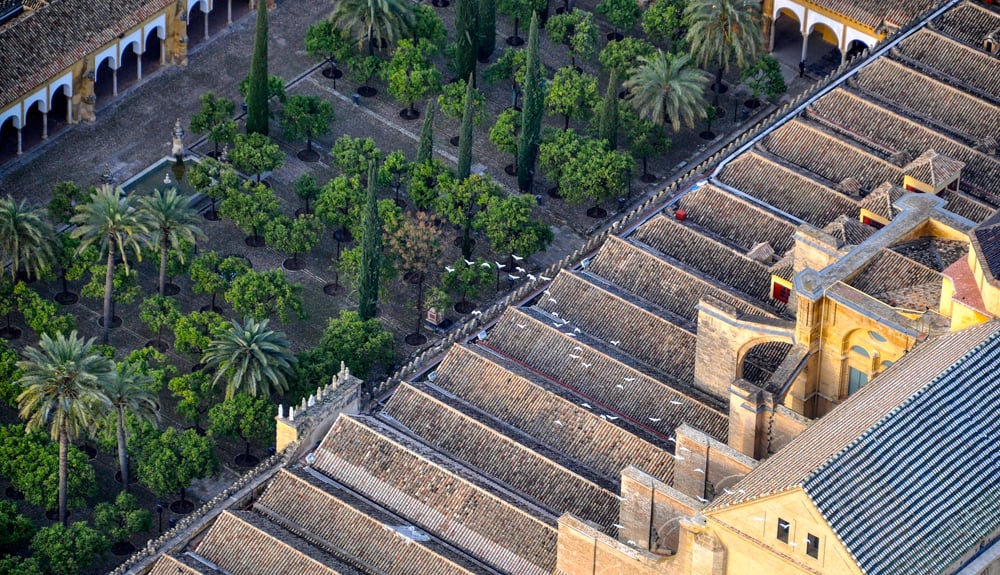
(651, 512)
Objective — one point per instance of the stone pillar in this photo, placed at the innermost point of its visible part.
(138, 65)
(805, 44)
(69, 110)
(206, 22)
(163, 51)
(229, 12)
(45, 125)
(19, 150)
(114, 81)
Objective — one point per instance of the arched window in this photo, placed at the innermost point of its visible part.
(860, 351)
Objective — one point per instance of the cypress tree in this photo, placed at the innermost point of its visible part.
(608, 129)
(371, 253)
(425, 151)
(465, 136)
(487, 30)
(466, 36)
(531, 114)
(257, 108)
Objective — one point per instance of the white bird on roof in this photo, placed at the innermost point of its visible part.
(679, 457)
(743, 490)
(449, 269)
(532, 277)
(574, 356)
(557, 422)
(576, 330)
(618, 525)
(517, 258)
(630, 542)
(555, 314)
(468, 263)
(553, 300)
(543, 278)
(671, 439)
(587, 405)
(546, 292)
(729, 491)
(521, 326)
(685, 449)
(587, 365)
(702, 499)
(675, 402)
(515, 278)
(520, 269)
(615, 341)
(619, 386)
(654, 419)
(629, 379)
(611, 417)
(569, 334)
(476, 312)
(577, 348)
(620, 498)
(485, 264)
(500, 266)
(699, 470)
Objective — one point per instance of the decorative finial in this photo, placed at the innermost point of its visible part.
(107, 177)
(291, 413)
(178, 130)
(177, 145)
(167, 180)
(312, 400)
(281, 411)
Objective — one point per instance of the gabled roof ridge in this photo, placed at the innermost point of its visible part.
(802, 122)
(647, 307)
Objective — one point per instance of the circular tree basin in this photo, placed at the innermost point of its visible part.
(211, 215)
(553, 192)
(413, 277)
(510, 169)
(707, 135)
(408, 114)
(182, 507)
(10, 332)
(367, 91)
(161, 347)
(53, 514)
(415, 339)
(597, 212)
(648, 178)
(332, 289)
(66, 298)
(615, 37)
(515, 41)
(292, 264)
(132, 478)
(255, 241)
(123, 548)
(307, 155)
(343, 235)
(115, 322)
(211, 308)
(171, 289)
(247, 460)
(333, 73)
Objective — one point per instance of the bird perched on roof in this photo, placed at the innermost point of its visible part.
(586, 365)
(569, 334)
(515, 278)
(520, 326)
(574, 356)
(675, 402)
(543, 278)
(729, 491)
(682, 448)
(553, 300)
(611, 417)
(618, 525)
(629, 379)
(576, 330)
(620, 386)
(615, 341)
(702, 499)
(620, 498)
(699, 470)
(532, 277)
(577, 348)
(476, 312)
(587, 405)
(655, 419)
(520, 269)
(557, 422)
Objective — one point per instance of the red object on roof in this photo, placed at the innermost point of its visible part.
(681, 215)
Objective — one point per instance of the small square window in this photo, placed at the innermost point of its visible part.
(812, 546)
(780, 292)
(784, 528)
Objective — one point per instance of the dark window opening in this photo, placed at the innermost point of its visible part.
(953, 186)
(783, 530)
(780, 292)
(812, 546)
(870, 222)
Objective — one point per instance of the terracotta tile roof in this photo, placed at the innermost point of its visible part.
(968, 22)
(672, 286)
(512, 394)
(925, 96)
(708, 256)
(736, 219)
(439, 495)
(849, 231)
(871, 13)
(968, 65)
(786, 189)
(595, 370)
(934, 253)
(966, 287)
(933, 168)
(881, 199)
(876, 469)
(967, 207)
(42, 43)
(354, 529)
(522, 466)
(862, 119)
(829, 156)
(899, 281)
(244, 543)
(183, 565)
(761, 360)
(640, 329)
(987, 238)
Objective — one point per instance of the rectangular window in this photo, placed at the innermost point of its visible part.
(783, 528)
(812, 546)
(780, 292)
(856, 380)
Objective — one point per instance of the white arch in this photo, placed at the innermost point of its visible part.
(41, 97)
(851, 34)
(191, 4)
(14, 112)
(837, 28)
(159, 24)
(134, 37)
(109, 52)
(797, 9)
(66, 81)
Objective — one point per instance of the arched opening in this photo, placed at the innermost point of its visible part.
(152, 55)
(760, 361)
(8, 139)
(34, 126)
(59, 109)
(238, 8)
(822, 52)
(129, 72)
(218, 17)
(198, 24)
(104, 84)
(787, 30)
(854, 49)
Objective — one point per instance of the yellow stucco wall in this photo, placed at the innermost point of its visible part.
(749, 534)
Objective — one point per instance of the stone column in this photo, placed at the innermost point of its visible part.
(805, 43)
(69, 110)
(206, 22)
(19, 150)
(45, 125)
(138, 64)
(163, 51)
(229, 12)
(114, 81)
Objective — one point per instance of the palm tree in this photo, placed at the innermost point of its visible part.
(25, 237)
(63, 381)
(110, 221)
(128, 390)
(374, 20)
(252, 358)
(724, 32)
(665, 88)
(173, 222)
